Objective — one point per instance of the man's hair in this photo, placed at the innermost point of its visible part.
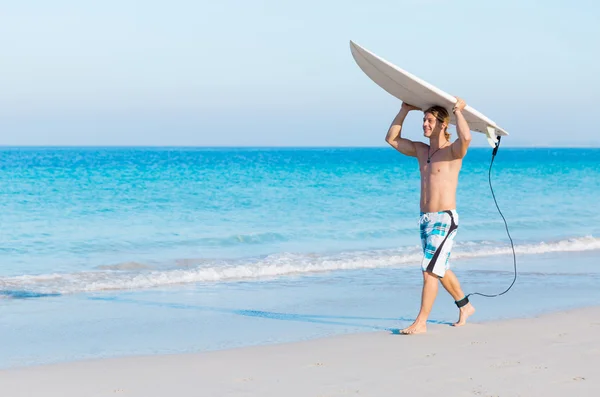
(441, 114)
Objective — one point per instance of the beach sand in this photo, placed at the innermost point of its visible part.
(551, 355)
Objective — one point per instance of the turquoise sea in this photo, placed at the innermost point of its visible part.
(134, 251)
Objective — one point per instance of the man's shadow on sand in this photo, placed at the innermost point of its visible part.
(24, 294)
(307, 318)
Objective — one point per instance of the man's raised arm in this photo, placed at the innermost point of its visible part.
(404, 146)
(460, 146)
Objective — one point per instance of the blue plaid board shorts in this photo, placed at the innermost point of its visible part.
(437, 236)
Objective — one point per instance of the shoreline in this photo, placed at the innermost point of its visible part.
(373, 315)
(549, 354)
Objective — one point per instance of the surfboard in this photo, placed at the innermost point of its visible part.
(415, 91)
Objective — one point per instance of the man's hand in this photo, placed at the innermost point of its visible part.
(406, 107)
(459, 105)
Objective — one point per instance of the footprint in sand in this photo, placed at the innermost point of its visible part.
(505, 364)
(317, 364)
(479, 393)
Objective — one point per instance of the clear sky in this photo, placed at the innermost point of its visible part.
(278, 72)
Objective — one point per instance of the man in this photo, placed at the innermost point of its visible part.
(439, 164)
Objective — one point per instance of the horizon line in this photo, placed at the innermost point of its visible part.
(285, 146)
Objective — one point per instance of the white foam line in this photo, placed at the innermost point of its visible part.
(278, 265)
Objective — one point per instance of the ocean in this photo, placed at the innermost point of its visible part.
(133, 251)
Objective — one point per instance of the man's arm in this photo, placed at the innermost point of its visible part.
(404, 146)
(459, 146)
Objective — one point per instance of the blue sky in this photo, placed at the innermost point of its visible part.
(280, 73)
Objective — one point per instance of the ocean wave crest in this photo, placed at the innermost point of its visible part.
(135, 276)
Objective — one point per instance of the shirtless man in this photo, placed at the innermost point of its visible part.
(439, 165)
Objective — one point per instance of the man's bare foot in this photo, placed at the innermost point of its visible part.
(415, 328)
(464, 313)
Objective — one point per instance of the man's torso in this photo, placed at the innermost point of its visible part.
(439, 179)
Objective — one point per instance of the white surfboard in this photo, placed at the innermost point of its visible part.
(413, 90)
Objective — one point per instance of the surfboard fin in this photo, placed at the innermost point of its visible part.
(492, 138)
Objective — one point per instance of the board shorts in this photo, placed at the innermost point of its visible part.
(437, 237)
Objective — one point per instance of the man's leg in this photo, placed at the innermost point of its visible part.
(430, 289)
(451, 284)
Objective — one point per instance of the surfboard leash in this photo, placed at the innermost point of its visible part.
(507, 232)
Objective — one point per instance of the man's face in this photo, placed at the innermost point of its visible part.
(430, 125)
